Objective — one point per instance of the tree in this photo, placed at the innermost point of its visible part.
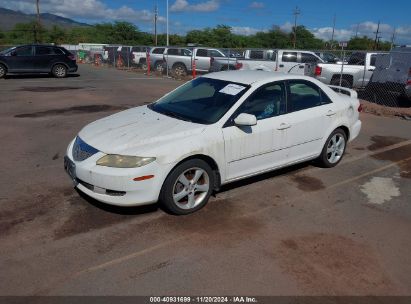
(57, 35)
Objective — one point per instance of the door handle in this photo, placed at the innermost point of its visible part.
(281, 65)
(370, 70)
(284, 126)
(330, 113)
(301, 67)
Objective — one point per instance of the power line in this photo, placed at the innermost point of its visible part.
(296, 12)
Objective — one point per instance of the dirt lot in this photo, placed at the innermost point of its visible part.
(299, 231)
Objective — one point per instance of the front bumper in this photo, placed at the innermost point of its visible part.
(115, 186)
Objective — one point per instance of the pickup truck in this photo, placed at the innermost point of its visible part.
(288, 61)
(180, 60)
(356, 74)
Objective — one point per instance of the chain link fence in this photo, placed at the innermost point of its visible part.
(379, 78)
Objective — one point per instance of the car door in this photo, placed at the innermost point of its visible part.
(253, 149)
(20, 59)
(44, 57)
(202, 60)
(288, 62)
(310, 116)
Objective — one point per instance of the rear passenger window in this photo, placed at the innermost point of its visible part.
(173, 52)
(201, 53)
(256, 54)
(186, 52)
(266, 102)
(158, 51)
(272, 56)
(289, 57)
(44, 50)
(305, 95)
(373, 60)
(214, 53)
(308, 58)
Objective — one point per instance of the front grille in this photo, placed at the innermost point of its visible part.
(81, 150)
(106, 191)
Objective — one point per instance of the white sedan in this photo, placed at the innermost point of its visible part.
(211, 131)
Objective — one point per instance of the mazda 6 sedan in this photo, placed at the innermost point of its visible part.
(211, 131)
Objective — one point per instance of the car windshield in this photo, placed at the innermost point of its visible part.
(203, 100)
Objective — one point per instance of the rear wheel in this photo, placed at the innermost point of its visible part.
(179, 70)
(188, 187)
(59, 71)
(3, 71)
(333, 149)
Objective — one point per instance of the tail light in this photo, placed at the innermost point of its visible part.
(409, 72)
(360, 108)
(318, 71)
(238, 65)
(71, 57)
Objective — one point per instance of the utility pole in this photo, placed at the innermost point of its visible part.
(393, 38)
(377, 37)
(37, 31)
(168, 40)
(296, 12)
(356, 31)
(332, 36)
(155, 24)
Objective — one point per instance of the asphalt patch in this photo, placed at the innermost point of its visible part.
(394, 155)
(49, 89)
(72, 111)
(331, 264)
(307, 183)
(384, 141)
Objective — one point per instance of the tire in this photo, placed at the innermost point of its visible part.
(59, 71)
(3, 71)
(181, 194)
(179, 70)
(345, 83)
(158, 67)
(334, 149)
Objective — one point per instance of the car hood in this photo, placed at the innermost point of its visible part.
(135, 131)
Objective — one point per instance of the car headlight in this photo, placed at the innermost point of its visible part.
(123, 161)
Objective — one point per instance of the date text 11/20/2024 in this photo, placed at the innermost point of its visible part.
(203, 299)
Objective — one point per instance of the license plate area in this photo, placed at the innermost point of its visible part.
(70, 168)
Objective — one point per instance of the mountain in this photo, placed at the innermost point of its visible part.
(9, 18)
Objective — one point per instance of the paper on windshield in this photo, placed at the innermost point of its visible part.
(232, 89)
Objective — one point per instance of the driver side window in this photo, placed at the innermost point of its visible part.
(268, 101)
(23, 51)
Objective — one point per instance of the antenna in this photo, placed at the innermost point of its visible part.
(296, 12)
(332, 36)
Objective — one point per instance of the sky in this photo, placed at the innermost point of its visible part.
(244, 16)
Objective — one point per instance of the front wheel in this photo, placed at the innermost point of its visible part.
(188, 187)
(333, 149)
(2, 71)
(59, 71)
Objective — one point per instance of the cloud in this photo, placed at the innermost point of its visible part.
(325, 33)
(257, 5)
(90, 10)
(185, 6)
(246, 30)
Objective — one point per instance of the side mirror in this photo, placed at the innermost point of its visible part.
(245, 119)
(13, 53)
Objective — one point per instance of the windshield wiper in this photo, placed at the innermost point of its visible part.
(175, 115)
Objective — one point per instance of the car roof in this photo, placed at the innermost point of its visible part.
(250, 77)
